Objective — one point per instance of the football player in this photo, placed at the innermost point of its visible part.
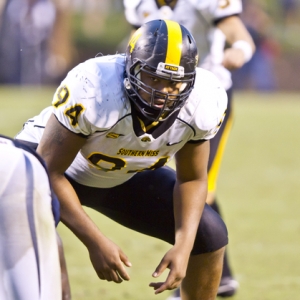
(32, 264)
(114, 123)
(216, 26)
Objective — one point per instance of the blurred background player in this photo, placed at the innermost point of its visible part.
(259, 73)
(32, 265)
(35, 41)
(224, 45)
(25, 29)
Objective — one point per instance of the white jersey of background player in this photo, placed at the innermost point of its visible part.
(29, 257)
(198, 16)
(91, 101)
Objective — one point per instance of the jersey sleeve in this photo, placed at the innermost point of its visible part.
(227, 8)
(90, 98)
(211, 110)
(213, 10)
(72, 98)
(130, 7)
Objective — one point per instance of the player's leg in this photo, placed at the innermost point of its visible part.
(145, 204)
(28, 268)
(217, 147)
(205, 264)
(228, 285)
(203, 276)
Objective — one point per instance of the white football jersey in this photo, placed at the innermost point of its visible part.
(91, 101)
(29, 258)
(198, 16)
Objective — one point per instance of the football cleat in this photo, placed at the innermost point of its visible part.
(228, 287)
(175, 295)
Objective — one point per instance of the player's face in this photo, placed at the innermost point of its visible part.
(163, 86)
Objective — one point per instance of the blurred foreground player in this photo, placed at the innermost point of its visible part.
(32, 265)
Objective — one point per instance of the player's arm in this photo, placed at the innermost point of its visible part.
(58, 147)
(240, 41)
(190, 193)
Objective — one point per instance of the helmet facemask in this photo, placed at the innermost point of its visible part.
(172, 102)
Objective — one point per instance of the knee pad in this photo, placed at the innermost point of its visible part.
(212, 232)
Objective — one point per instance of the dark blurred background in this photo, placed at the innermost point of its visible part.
(40, 40)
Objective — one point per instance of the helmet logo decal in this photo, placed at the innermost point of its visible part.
(171, 68)
(134, 39)
(177, 71)
(174, 43)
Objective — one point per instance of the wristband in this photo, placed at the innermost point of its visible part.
(245, 47)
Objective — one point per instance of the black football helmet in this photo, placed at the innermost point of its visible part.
(165, 49)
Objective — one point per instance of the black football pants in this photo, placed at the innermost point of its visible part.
(145, 204)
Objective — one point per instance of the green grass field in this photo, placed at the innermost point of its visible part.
(259, 192)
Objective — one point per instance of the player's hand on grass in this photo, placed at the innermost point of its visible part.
(109, 261)
(176, 260)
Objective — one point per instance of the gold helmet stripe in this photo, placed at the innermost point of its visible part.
(174, 43)
(137, 34)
